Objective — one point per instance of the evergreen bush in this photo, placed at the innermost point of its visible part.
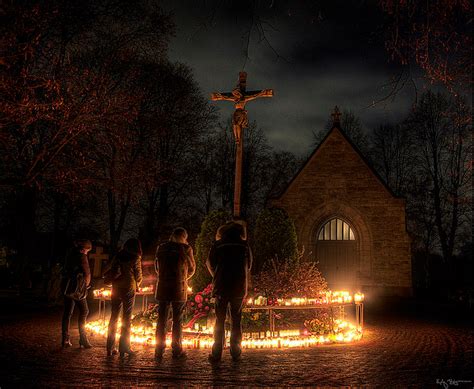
(274, 238)
(204, 241)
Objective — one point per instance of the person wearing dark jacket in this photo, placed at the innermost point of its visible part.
(76, 263)
(125, 270)
(229, 262)
(174, 265)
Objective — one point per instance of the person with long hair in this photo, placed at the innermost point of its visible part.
(174, 264)
(125, 272)
(76, 264)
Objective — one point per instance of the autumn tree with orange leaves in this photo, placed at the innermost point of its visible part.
(64, 77)
(434, 35)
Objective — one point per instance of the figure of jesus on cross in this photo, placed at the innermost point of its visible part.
(239, 96)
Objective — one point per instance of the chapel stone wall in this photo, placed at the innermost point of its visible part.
(336, 181)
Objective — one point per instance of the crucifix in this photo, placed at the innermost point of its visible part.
(239, 96)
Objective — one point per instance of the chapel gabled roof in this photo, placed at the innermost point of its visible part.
(336, 126)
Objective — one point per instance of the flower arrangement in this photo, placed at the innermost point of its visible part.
(146, 318)
(199, 306)
(198, 309)
(321, 324)
(255, 320)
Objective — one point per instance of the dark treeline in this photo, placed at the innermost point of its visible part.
(103, 137)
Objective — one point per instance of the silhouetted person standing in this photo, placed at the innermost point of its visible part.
(76, 264)
(229, 263)
(174, 264)
(125, 271)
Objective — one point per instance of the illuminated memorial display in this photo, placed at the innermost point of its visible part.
(335, 303)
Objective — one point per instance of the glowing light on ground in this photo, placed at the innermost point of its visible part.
(344, 332)
(201, 337)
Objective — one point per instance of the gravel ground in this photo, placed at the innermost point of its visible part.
(396, 351)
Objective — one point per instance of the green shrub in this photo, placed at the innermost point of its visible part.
(204, 241)
(274, 238)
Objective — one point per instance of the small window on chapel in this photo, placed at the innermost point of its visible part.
(336, 229)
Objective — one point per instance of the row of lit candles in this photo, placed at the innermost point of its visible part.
(344, 332)
(106, 293)
(336, 297)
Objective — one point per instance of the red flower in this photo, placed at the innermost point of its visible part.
(200, 306)
(198, 298)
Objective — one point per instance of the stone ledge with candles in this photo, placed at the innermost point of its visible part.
(328, 298)
(319, 330)
(106, 293)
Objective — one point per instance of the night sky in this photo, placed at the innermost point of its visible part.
(324, 54)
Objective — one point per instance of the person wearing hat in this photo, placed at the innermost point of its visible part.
(76, 268)
(229, 262)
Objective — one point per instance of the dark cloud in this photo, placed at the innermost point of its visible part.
(321, 55)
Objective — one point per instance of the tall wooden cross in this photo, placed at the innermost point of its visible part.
(239, 96)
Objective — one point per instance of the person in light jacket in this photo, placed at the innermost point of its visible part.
(229, 262)
(174, 265)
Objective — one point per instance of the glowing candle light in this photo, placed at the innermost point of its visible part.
(343, 331)
(359, 297)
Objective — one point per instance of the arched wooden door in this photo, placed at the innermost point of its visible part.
(336, 251)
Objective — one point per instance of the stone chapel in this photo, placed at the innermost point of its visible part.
(349, 220)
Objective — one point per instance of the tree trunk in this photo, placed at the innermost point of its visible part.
(163, 206)
(116, 226)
